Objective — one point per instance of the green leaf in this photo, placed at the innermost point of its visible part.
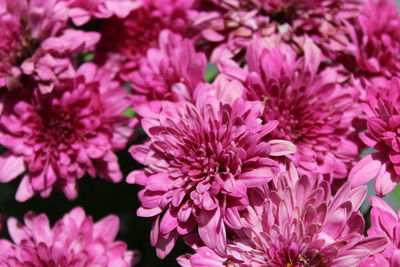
(130, 113)
(211, 72)
(88, 57)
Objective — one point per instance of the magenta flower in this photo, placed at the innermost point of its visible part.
(81, 11)
(59, 137)
(169, 72)
(377, 47)
(34, 41)
(302, 224)
(384, 222)
(140, 31)
(200, 161)
(74, 241)
(314, 110)
(383, 114)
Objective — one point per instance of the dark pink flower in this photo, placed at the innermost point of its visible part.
(58, 137)
(200, 161)
(74, 241)
(301, 224)
(314, 110)
(140, 31)
(383, 114)
(169, 72)
(376, 37)
(34, 41)
(81, 11)
(384, 222)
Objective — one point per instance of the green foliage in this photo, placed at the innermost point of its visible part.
(211, 72)
(130, 113)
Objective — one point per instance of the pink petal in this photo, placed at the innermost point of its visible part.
(107, 228)
(282, 147)
(212, 230)
(10, 166)
(24, 191)
(364, 171)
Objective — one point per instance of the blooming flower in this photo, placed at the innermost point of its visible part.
(376, 40)
(74, 241)
(384, 222)
(383, 113)
(200, 161)
(81, 11)
(58, 137)
(225, 28)
(314, 111)
(229, 26)
(302, 224)
(169, 72)
(138, 32)
(35, 41)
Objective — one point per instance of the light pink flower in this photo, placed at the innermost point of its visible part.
(200, 162)
(169, 72)
(81, 11)
(314, 111)
(74, 241)
(384, 222)
(139, 32)
(376, 37)
(59, 137)
(383, 114)
(301, 224)
(33, 42)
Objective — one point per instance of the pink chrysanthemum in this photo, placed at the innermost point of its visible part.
(34, 41)
(225, 28)
(74, 241)
(302, 224)
(314, 111)
(58, 137)
(383, 113)
(228, 26)
(384, 222)
(139, 31)
(200, 161)
(169, 72)
(81, 11)
(376, 36)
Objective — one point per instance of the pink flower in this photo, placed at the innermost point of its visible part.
(314, 111)
(169, 72)
(74, 241)
(383, 114)
(301, 224)
(384, 222)
(200, 161)
(34, 42)
(376, 34)
(81, 11)
(139, 32)
(227, 27)
(60, 136)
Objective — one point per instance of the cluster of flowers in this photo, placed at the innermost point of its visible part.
(255, 111)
